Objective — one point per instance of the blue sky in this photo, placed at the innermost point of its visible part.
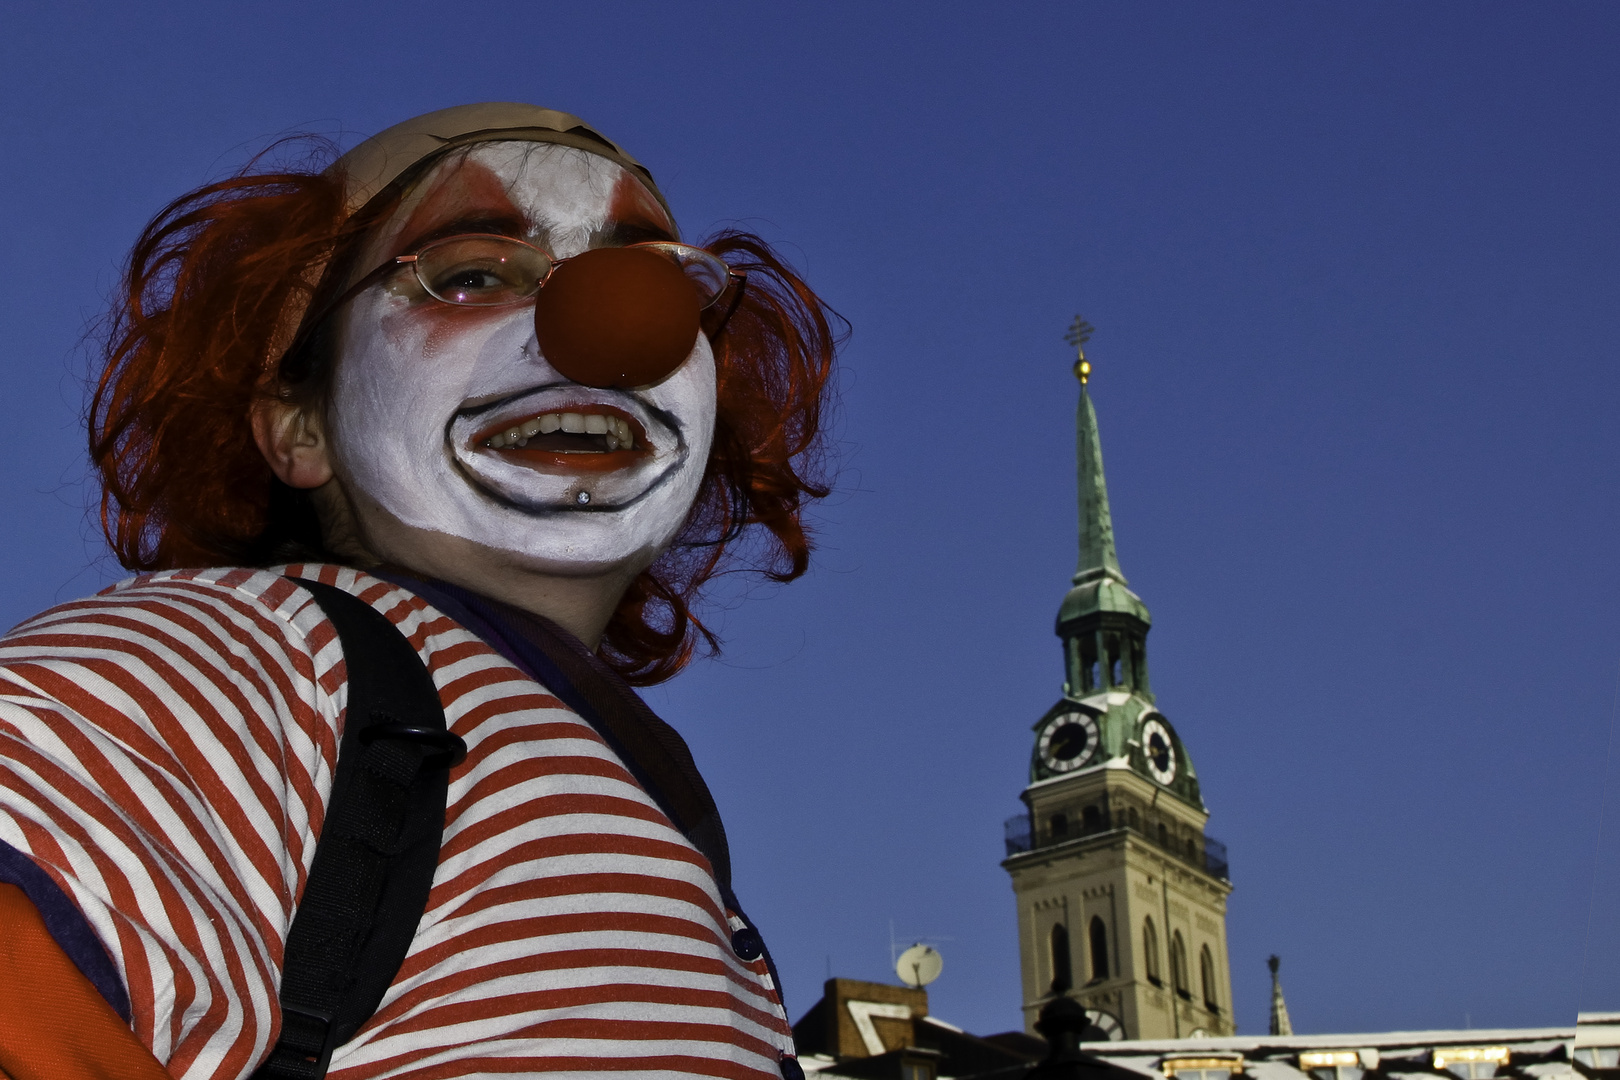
(1353, 269)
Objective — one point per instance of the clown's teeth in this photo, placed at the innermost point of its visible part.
(615, 429)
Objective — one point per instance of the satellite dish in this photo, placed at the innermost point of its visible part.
(919, 965)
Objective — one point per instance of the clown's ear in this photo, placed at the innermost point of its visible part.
(293, 441)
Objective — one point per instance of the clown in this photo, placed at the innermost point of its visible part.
(471, 377)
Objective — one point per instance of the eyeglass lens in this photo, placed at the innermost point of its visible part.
(481, 270)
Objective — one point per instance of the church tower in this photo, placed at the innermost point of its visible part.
(1121, 895)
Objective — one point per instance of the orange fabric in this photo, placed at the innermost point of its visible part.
(54, 1025)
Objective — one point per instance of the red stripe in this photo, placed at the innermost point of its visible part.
(460, 979)
(626, 1032)
(547, 806)
(574, 997)
(480, 792)
(555, 846)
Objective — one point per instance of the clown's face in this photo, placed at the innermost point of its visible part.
(448, 421)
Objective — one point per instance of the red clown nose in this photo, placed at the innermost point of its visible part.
(616, 317)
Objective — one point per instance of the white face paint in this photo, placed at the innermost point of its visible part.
(426, 393)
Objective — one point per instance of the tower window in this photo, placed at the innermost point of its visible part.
(1099, 949)
(1206, 976)
(1059, 825)
(1192, 850)
(1150, 951)
(1178, 965)
(1091, 819)
(1089, 674)
(1164, 836)
(1062, 971)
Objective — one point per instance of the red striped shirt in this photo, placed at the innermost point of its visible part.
(166, 750)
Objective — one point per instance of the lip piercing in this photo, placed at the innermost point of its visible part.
(582, 498)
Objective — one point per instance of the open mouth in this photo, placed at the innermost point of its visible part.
(589, 437)
(600, 430)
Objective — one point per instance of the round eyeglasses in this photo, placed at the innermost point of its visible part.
(630, 328)
(489, 270)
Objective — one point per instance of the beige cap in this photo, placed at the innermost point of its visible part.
(383, 160)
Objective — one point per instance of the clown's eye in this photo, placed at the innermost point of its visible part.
(464, 281)
(481, 270)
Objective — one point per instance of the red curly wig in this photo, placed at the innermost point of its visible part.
(197, 335)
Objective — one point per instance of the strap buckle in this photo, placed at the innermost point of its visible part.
(304, 1048)
(453, 748)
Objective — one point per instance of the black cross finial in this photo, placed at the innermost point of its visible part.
(1078, 334)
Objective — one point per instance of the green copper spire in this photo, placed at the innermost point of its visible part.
(1099, 584)
(1097, 555)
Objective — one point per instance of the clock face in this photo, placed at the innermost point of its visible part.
(1069, 741)
(1101, 1025)
(1159, 751)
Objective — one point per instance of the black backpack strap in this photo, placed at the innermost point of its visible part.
(373, 867)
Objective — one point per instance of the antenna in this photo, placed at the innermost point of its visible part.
(919, 965)
(1078, 334)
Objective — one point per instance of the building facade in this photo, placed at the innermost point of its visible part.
(1121, 895)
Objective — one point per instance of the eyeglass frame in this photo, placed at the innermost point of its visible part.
(736, 282)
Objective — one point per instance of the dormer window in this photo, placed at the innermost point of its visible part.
(1332, 1064)
(1210, 1067)
(1471, 1062)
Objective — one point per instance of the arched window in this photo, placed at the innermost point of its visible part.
(1099, 949)
(1131, 819)
(1150, 951)
(1178, 964)
(1164, 836)
(1091, 819)
(1059, 825)
(1062, 971)
(1206, 976)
